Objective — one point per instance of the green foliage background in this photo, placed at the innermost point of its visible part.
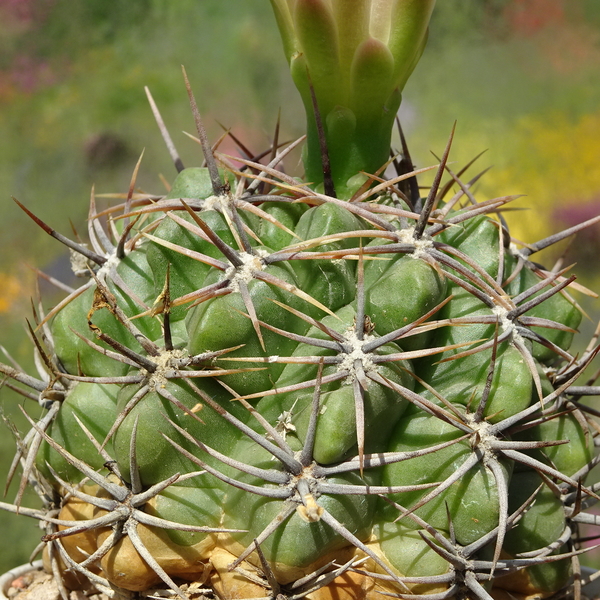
(520, 76)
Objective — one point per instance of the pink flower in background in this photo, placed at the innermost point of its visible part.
(584, 248)
(562, 34)
(18, 9)
(528, 17)
(29, 74)
(22, 71)
(25, 11)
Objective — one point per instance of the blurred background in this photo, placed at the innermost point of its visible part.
(519, 76)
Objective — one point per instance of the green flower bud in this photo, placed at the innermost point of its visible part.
(357, 56)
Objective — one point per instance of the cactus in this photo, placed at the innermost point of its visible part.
(314, 388)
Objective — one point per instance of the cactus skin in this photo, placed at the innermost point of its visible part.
(288, 393)
(360, 393)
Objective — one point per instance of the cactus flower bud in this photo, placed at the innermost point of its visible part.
(357, 56)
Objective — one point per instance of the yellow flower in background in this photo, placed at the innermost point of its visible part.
(11, 291)
(554, 161)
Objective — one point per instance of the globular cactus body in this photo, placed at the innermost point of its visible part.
(265, 389)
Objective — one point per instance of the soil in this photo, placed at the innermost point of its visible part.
(39, 585)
